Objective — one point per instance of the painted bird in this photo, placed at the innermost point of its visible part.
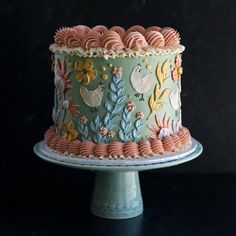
(92, 98)
(141, 84)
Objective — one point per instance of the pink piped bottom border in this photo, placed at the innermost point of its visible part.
(117, 149)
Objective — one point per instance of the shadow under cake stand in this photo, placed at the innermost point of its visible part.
(117, 193)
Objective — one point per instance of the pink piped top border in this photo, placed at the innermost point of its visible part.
(116, 38)
(88, 149)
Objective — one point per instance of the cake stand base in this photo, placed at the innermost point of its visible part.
(117, 193)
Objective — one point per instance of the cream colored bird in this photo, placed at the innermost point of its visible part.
(92, 98)
(141, 84)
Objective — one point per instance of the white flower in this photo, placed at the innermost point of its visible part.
(84, 120)
(140, 115)
(103, 131)
(111, 134)
(131, 106)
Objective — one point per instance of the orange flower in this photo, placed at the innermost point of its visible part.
(178, 70)
(73, 108)
(63, 74)
(161, 129)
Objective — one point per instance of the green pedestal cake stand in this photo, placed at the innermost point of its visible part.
(117, 193)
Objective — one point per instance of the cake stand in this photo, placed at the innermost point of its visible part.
(117, 193)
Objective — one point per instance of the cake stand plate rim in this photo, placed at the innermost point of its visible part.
(191, 153)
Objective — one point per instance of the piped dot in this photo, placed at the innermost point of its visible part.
(103, 68)
(148, 66)
(145, 60)
(104, 77)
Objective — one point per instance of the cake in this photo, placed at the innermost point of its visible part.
(117, 93)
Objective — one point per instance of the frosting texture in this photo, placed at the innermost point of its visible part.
(116, 149)
(155, 39)
(171, 36)
(120, 30)
(112, 40)
(136, 37)
(135, 40)
(91, 40)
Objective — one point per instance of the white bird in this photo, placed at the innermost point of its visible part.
(141, 84)
(92, 98)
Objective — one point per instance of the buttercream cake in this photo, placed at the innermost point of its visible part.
(117, 93)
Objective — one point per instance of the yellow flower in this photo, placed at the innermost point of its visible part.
(71, 134)
(85, 71)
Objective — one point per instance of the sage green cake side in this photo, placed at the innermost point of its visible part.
(117, 92)
(116, 99)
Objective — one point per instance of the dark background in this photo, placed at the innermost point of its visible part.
(196, 198)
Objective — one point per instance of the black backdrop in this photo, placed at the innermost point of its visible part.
(208, 31)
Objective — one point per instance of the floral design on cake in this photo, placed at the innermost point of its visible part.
(63, 101)
(141, 84)
(156, 100)
(126, 133)
(116, 94)
(112, 87)
(85, 71)
(70, 133)
(178, 69)
(71, 106)
(103, 129)
(161, 129)
(83, 128)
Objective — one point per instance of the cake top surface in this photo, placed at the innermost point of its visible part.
(116, 41)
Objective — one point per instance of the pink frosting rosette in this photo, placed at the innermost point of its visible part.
(157, 146)
(145, 148)
(153, 28)
(84, 29)
(115, 149)
(135, 40)
(49, 134)
(62, 145)
(131, 149)
(168, 144)
(171, 36)
(112, 40)
(100, 150)
(101, 29)
(91, 40)
(73, 38)
(60, 35)
(119, 30)
(136, 28)
(53, 142)
(155, 39)
(177, 140)
(74, 148)
(86, 148)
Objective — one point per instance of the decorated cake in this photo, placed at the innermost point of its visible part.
(117, 93)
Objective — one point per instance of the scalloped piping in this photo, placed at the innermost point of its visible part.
(109, 53)
(52, 139)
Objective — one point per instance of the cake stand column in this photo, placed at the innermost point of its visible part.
(117, 195)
